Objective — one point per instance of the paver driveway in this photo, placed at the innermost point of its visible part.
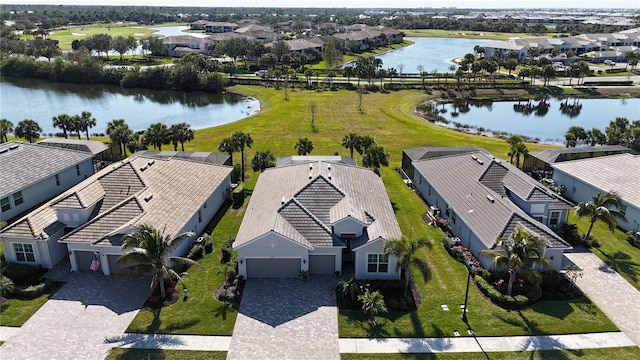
(75, 322)
(287, 319)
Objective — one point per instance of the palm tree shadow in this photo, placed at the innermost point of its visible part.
(622, 263)
(156, 322)
(423, 267)
(376, 330)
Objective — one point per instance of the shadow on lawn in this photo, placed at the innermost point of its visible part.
(622, 263)
(155, 325)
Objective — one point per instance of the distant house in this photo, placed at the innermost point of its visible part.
(618, 173)
(199, 156)
(485, 198)
(173, 195)
(317, 216)
(212, 26)
(541, 162)
(102, 153)
(33, 173)
(186, 44)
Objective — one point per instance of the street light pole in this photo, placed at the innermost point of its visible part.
(466, 297)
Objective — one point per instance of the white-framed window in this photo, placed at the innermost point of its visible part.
(17, 198)
(623, 209)
(5, 205)
(554, 219)
(24, 252)
(377, 263)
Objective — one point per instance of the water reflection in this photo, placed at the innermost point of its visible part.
(571, 110)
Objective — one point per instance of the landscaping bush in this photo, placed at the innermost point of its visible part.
(550, 279)
(631, 239)
(23, 275)
(238, 195)
(32, 291)
(528, 294)
(465, 256)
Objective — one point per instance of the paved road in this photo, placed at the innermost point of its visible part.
(77, 320)
(287, 319)
(618, 299)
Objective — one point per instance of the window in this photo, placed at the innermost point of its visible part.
(24, 252)
(205, 204)
(453, 217)
(377, 263)
(78, 170)
(199, 216)
(57, 180)
(623, 209)
(4, 204)
(17, 198)
(447, 210)
(555, 218)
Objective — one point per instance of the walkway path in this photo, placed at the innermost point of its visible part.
(287, 319)
(75, 322)
(618, 299)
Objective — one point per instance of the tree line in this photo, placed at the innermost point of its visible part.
(619, 132)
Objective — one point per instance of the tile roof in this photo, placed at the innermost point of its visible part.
(301, 201)
(562, 154)
(89, 146)
(23, 164)
(618, 173)
(139, 190)
(469, 184)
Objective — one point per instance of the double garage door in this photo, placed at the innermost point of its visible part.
(289, 267)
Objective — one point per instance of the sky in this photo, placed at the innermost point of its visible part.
(485, 4)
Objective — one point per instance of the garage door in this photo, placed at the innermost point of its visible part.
(83, 259)
(273, 268)
(322, 264)
(113, 265)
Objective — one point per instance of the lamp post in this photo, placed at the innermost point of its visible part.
(466, 297)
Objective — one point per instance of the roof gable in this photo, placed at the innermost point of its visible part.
(319, 196)
(309, 226)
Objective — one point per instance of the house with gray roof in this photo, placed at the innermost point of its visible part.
(484, 198)
(33, 173)
(542, 161)
(584, 178)
(174, 194)
(317, 216)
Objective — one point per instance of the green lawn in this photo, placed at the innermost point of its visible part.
(469, 34)
(67, 35)
(615, 250)
(15, 312)
(159, 354)
(586, 354)
(201, 314)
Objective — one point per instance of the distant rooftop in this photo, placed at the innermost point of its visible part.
(24, 164)
(551, 156)
(205, 157)
(89, 146)
(299, 159)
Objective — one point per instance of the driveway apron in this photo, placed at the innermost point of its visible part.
(618, 299)
(78, 320)
(287, 319)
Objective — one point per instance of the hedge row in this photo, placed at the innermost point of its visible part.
(533, 294)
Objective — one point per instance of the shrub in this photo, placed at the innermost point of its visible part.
(550, 279)
(22, 274)
(238, 195)
(530, 294)
(32, 291)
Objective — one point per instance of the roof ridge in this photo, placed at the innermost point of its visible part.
(314, 181)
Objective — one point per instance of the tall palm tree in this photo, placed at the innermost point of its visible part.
(227, 146)
(86, 122)
(119, 133)
(520, 150)
(180, 133)
(519, 252)
(63, 121)
(304, 146)
(148, 248)
(76, 125)
(28, 129)
(240, 140)
(372, 305)
(156, 135)
(351, 142)
(405, 250)
(6, 127)
(513, 142)
(375, 157)
(364, 143)
(602, 207)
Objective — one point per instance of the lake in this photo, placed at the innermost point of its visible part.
(548, 122)
(39, 100)
(431, 53)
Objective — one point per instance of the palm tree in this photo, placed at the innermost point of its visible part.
(364, 143)
(226, 146)
(180, 133)
(405, 250)
(76, 125)
(263, 159)
(372, 305)
(119, 133)
(86, 122)
(520, 150)
(348, 71)
(156, 135)
(601, 208)
(304, 146)
(63, 121)
(375, 157)
(147, 249)
(28, 129)
(240, 140)
(351, 288)
(6, 127)
(513, 142)
(518, 253)
(351, 142)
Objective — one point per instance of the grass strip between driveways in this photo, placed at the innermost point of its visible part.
(160, 354)
(586, 354)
